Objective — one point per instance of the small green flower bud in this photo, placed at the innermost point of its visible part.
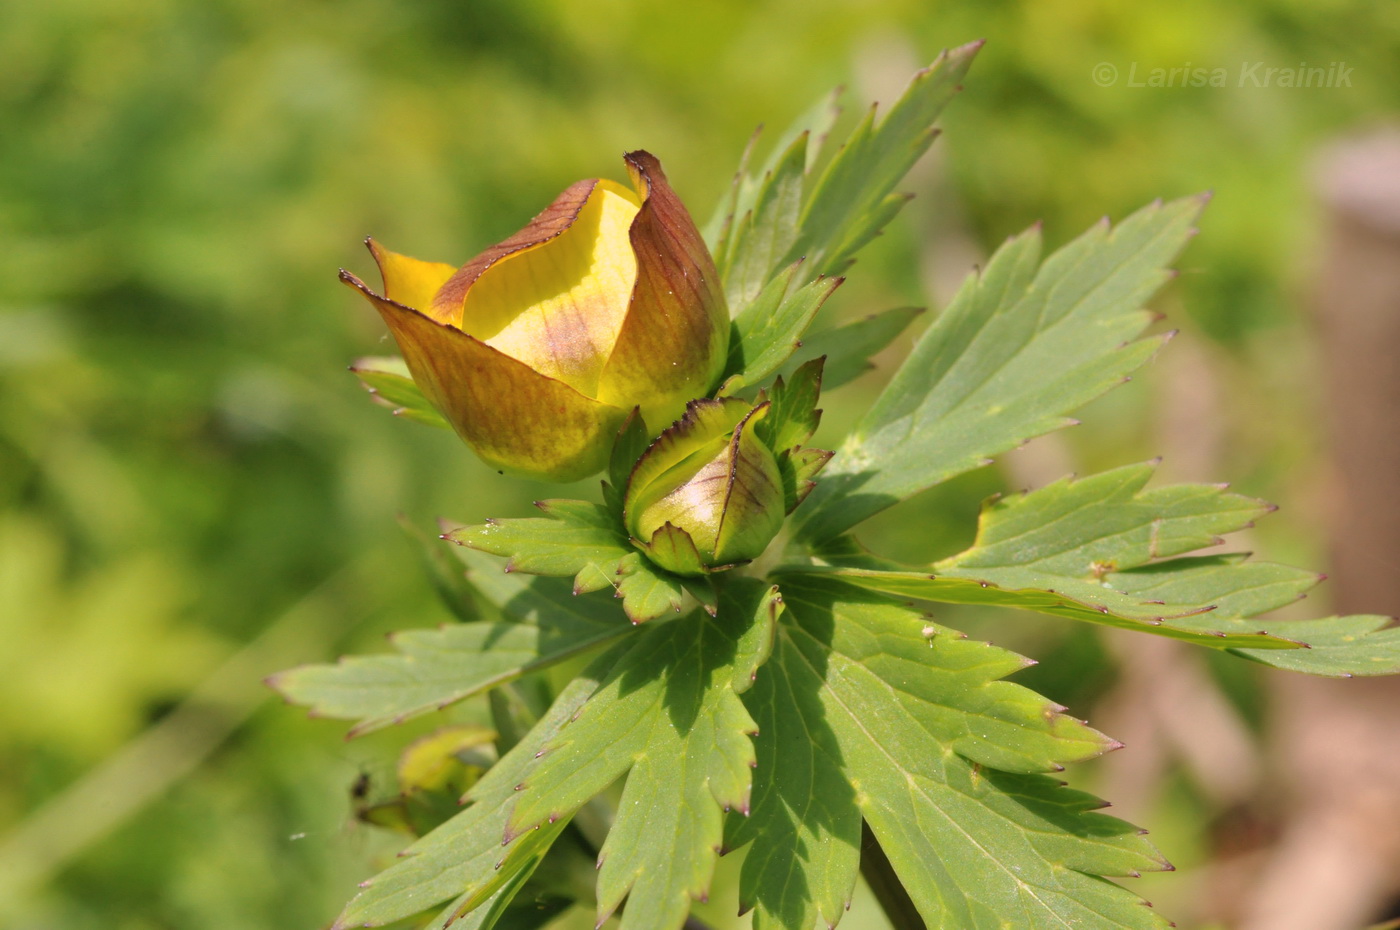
(708, 494)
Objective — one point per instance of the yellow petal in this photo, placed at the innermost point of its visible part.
(515, 419)
(557, 297)
(409, 281)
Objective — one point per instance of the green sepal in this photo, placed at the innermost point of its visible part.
(672, 546)
(632, 441)
(793, 416)
(714, 482)
(389, 383)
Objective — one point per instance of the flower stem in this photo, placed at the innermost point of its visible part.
(889, 891)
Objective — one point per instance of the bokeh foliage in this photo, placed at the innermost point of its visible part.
(184, 461)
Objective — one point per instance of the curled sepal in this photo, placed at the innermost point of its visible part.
(707, 495)
(516, 419)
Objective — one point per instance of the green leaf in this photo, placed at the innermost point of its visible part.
(951, 685)
(389, 383)
(762, 237)
(445, 572)
(1099, 550)
(573, 536)
(1086, 549)
(1106, 542)
(777, 222)
(804, 828)
(739, 202)
(852, 199)
(901, 720)
(793, 415)
(543, 623)
(1194, 625)
(1019, 347)
(770, 329)
(669, 717)
(1339, 647)
(463, 858)
(847, 349)
(584, 541)
(498, 911)
(1108, 522)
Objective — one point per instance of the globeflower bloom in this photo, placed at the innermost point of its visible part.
(536, 350)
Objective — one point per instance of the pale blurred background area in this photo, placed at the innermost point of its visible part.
(194, 492)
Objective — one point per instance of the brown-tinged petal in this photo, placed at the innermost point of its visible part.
(554, 296)
(552, 221)
(516, 419)
(673, 343)
(409, 281)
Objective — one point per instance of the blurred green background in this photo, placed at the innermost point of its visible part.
(194, 493)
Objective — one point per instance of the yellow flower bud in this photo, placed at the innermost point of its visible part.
(536, 350)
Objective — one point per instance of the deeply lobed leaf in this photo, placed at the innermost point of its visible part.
(848, 348)
(1020, 346)
(769, 330)
(669, 717)
(463, 859)
(1106, 550)
(852, 200)
(541, 623)
(1339, 647)
(783, 235)
(870, 711)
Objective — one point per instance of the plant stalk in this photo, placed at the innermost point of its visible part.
(889, 891)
